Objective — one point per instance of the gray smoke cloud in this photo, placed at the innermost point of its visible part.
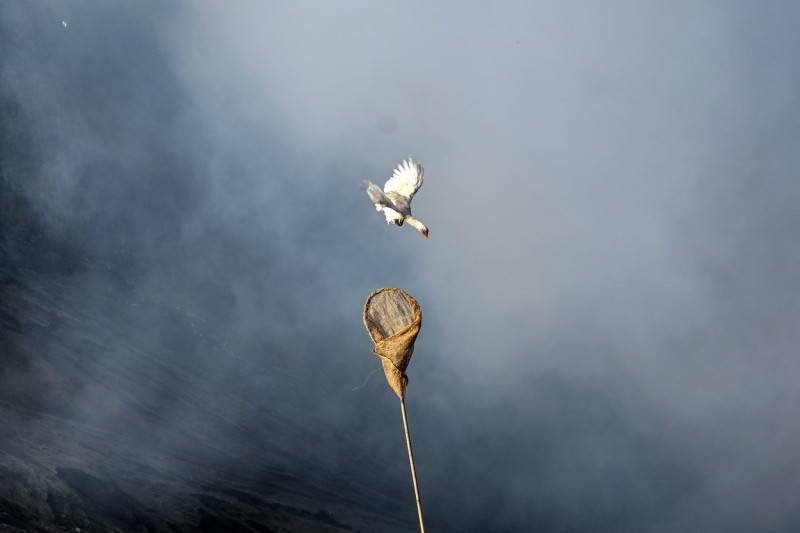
(609, 335)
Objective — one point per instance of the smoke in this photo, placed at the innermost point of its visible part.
(608, 292)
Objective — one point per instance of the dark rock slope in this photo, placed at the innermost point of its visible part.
(104, 430)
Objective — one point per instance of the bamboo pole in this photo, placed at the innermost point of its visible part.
(413, 470)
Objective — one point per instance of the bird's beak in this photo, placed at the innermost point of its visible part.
(425, 233)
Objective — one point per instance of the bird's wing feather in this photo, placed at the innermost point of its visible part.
(375, 193)
(406, 180)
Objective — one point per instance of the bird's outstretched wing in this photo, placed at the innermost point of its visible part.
(406, 180)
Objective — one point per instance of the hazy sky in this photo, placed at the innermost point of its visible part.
(609, 290)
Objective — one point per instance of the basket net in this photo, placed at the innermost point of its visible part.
(393, 319)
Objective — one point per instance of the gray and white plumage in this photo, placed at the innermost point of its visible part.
(395, 197)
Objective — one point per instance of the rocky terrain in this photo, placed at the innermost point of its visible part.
(104, 430)
(137, 466)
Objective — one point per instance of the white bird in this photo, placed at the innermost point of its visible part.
(395, 198)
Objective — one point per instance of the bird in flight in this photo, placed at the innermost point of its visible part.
(395, 198)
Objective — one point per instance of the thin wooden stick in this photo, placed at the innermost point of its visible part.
(413, 470)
